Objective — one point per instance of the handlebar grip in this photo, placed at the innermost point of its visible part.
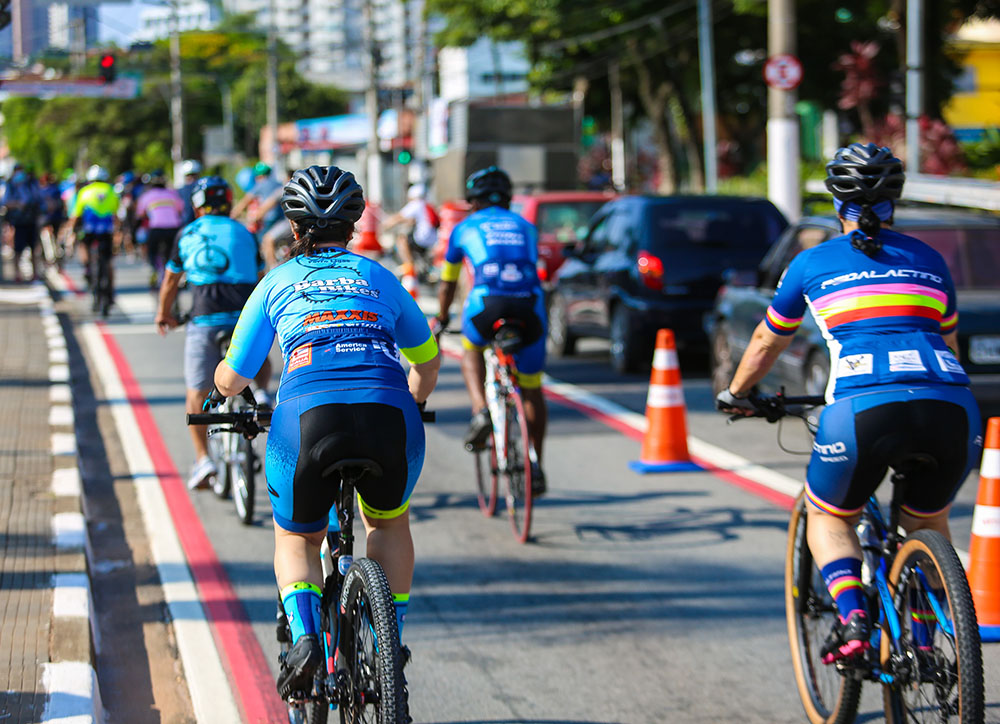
(428, 415)
(247, 395)
(209, 418)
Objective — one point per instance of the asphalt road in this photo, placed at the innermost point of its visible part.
(641, 598)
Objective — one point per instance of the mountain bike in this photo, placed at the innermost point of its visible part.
(508, 452)
(925, 651)
(363, 677)
(236, 460)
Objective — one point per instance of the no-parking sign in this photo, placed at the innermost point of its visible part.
(783, 72)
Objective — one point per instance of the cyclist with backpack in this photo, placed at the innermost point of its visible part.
(886, 304)
(422, 223)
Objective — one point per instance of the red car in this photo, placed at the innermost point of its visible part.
(562, 217)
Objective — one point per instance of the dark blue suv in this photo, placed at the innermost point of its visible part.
(655, 261)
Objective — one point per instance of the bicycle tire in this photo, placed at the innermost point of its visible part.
(919, 549)
(103, 292)
(217, 445)
(486, 490)
(242, 472)
(518, 470)
(370, 653)
(828, 696)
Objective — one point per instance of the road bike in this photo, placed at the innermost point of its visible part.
(236, 460)
(99, 273)
(508, 452)
(925, 649)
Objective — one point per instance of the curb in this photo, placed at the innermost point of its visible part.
(70, 677)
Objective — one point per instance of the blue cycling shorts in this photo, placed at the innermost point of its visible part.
(310, 432)
(482, 310)
(861, 436)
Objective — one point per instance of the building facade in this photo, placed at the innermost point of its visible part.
(155, 21)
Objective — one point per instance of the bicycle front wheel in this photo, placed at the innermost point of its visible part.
(518, 469)
(828, 696)
(218, 449)
(241, 471)
(370, 654)
(939, 668)
(486, 478)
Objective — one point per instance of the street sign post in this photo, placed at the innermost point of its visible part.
(122, 87)
(783, 72)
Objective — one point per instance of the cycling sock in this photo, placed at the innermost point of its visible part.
(843, 579)
(400, 601)
(301, 601)
(922, 619)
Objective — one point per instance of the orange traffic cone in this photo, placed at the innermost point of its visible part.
(664, 448)
(367, 238)
(411, 285)
(984, 549)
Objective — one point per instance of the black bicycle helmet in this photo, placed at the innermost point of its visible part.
(211, 192)
(865, 173)
(320, 195)
(491, 183)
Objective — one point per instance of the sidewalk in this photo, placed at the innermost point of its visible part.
(46, 645)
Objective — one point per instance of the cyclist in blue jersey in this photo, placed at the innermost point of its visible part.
(342, 321)
(886, 305)
(219, 257)
(503, 250)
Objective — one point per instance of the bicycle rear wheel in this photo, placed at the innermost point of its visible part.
(828, 696)
(370, 654)
(242, 473)
(518, 470)
(944, 680)
(486, 478)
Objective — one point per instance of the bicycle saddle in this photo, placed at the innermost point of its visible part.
(914, 462)
(508, 335)
(222, 338)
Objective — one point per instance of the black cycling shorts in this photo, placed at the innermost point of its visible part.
(861, 436)
(103, 242)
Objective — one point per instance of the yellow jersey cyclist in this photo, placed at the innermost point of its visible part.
(341, 321)
(95, 213)
(886, 305)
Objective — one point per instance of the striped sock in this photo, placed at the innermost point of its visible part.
(400, 601)
(301, 601)
(843, 579)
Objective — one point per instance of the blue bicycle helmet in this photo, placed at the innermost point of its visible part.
(320, 196)
(211, 192)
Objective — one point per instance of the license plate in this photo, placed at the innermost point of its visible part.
(985, 349)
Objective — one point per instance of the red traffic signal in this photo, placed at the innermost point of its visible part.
(107, 66)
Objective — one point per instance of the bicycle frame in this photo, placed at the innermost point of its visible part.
(500, 367)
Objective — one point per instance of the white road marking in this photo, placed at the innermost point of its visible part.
(138, 307)
(66, 481)
(30, 295)
(60, 393)
(63, 443)
(69, 530)
(61, 415)
(58, 355)
(207, 682)
(59, 373)
(73, 694)
(71, 595)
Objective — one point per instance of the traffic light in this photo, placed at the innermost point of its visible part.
(108, 68)
(404, 156)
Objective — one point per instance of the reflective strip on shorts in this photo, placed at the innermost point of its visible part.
(382, 514)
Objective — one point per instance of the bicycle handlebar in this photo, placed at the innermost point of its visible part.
(775, 407)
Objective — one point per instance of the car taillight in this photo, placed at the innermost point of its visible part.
(651, 271)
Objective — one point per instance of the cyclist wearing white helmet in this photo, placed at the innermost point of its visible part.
(191, 170)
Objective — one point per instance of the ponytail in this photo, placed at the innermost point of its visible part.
(303, 245)
(865, 239)
(318, 233)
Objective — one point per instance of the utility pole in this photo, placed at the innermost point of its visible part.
(420, 95)
(272, 90)
(78, 44)
(617, 126)
(782, 122)
(373, 157)
(176, 97)
(227, 116)
(707, 64)
(914, 81)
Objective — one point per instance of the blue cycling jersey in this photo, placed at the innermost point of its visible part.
(882, 317)
(502, 248)
(222, 263)
(338, 317)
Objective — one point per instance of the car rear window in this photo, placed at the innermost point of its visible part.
(972, 254)
(566, 221)
(741, 233)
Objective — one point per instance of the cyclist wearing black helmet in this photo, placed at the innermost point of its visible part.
(222, 265)
(886, 305)
(503, 249)
(341, 321)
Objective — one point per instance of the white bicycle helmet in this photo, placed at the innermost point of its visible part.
(97, 173)
(190, 168)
